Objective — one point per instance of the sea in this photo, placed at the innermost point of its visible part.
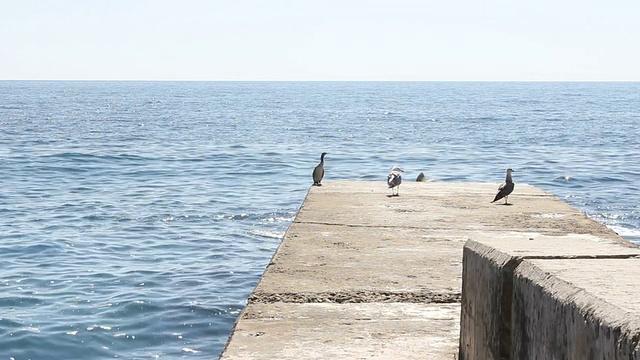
(137, 217)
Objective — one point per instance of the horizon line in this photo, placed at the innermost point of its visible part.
(333, 81)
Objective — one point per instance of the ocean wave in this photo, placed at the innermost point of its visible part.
(627, 232)
(565, 178)
(93, 157)
(268, 233)
(269, 217)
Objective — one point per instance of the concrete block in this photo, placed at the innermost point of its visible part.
(488, 264)
(443, 206)
(346, 331)
(576, 309)
(323, 263)
(486, 290)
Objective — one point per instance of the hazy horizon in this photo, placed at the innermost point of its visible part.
(287, 40)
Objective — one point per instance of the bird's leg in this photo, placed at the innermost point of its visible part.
(506, 199)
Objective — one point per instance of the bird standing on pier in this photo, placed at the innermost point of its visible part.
(394, 180)
(318, 172)
(505, 189)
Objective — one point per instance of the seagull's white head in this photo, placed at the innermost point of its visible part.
(396, 169)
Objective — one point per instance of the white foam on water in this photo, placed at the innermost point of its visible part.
(268, 234)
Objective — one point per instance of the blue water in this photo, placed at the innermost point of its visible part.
(136, 217)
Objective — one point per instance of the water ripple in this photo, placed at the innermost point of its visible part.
(136, 217)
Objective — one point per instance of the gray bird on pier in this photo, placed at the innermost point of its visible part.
(394, 180)
(318, 172)
(505, 189)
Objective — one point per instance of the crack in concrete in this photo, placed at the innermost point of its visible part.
(431, 228)
(361, 225)
(357, 297)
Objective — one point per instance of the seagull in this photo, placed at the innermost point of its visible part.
(505, 189)
(420, 177)
(318, 172)
(394, 180)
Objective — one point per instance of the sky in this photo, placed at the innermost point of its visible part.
(320, 40)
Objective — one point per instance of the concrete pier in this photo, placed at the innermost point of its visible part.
(363, 275)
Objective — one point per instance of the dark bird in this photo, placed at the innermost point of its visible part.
(420, 177)
(318, 172)
(505, 189)
(394, 180)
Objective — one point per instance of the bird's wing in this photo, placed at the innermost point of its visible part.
(394, 179)
(390, 179)
(318, 173)
(503, 191)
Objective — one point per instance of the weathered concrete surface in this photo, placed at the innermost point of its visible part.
(448, 206)
(577, 309)
(353, 279)
(323, 263)
(339, 331)
(488, 266)
(363, 275)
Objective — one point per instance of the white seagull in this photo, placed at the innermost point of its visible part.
(394, 180)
